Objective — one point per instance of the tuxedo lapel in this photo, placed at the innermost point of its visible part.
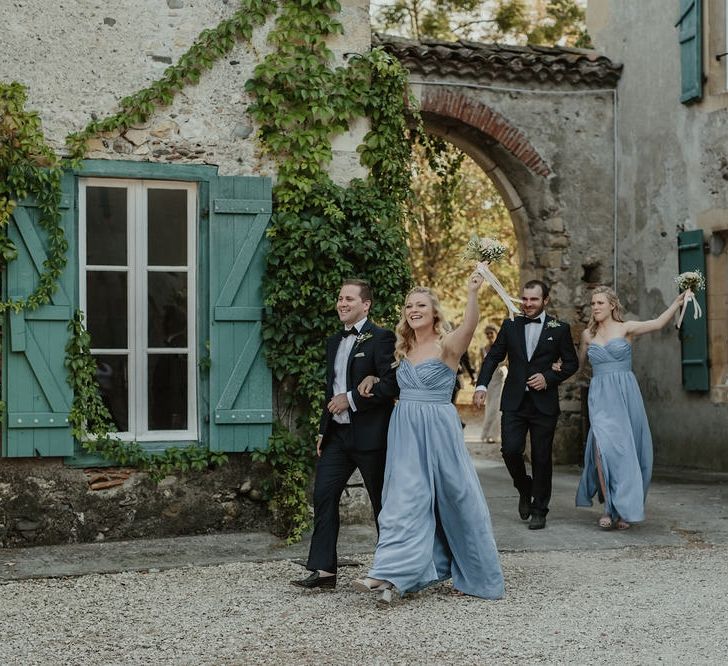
(354, 348)
(544, 333)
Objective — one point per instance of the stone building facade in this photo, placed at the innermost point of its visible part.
(199, 155)
(673, 168)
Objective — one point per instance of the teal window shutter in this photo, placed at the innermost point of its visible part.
(37, 395)
(694, 332)
(690, 27)
(241, 390)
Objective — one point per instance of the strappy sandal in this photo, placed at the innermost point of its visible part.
(605, 522)
(454, 592)
(623, 524)
(370, 585)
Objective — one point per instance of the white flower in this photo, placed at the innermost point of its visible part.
(488, 250)
(362, 337)
(693, 280)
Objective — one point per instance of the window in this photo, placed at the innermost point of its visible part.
(137, 253)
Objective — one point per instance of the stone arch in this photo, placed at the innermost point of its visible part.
(454, 104)
(500, 149)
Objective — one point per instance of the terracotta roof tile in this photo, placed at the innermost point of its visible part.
(503, 62)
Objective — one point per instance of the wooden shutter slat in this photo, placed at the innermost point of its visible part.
(242, 262)
(690, 38)
(34, 385)
(35, 248)
(241, 369)
(238, 314)
(240, 381)
(694, 332)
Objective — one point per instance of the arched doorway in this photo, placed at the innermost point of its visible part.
(541, 123)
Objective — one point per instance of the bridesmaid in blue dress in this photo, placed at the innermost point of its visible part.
(618, 456)
(434, 524)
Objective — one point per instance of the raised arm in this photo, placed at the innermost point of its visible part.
(635, 328)
(586, 338)
(456, 343)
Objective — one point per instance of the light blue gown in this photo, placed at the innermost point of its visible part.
(434, 522)
(620, 432)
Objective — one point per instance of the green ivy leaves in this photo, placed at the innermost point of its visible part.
(29, 168)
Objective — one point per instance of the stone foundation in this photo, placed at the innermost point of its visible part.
(43, 502)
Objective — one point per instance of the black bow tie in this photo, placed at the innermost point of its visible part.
(531, 321)
(351, 331)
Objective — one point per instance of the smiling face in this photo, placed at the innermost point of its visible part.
(350, 306)
(601, 307)
(419, 311)
(490, 335)
(533, 301)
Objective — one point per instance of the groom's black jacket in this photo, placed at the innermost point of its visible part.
(374, 355)
(554, 343)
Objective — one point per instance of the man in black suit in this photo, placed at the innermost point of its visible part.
(353, 429)
(530, 400)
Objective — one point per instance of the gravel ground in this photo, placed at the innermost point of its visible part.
(628, 606)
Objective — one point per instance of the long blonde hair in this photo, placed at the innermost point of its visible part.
(405, 334)
(613, 300)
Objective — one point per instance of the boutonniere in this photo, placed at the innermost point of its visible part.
(553, 323)
(362, 337)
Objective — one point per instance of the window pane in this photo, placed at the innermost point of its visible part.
(167, 227)
(167, 302)
(167, 391)
(112, 376)
(106, 226)
(106, 309)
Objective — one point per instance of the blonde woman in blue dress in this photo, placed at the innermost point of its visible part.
(434, 524)
(618, 456)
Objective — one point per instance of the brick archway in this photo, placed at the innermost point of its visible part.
(458, 106)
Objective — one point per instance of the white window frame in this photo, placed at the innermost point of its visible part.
(137, 269)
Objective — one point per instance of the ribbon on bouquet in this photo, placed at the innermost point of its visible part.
(697, 311)
(485, 272)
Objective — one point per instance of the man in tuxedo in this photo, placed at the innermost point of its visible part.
(530, 399)
(353, 429)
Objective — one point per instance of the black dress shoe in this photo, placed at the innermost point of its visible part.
(316, 580)
(524, 506)
(538, 522)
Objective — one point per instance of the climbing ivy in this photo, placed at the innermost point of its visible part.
(321, 232)
(29, 167)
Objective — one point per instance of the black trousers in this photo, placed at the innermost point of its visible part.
(335, 466)
(514, 427)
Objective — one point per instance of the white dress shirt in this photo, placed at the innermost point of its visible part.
(340, 363)
(532, 333)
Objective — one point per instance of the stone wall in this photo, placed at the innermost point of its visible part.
(672, 177)
(79, 58)
(43, 501)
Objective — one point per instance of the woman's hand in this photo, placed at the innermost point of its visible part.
(366, 386)
(681, 298)
(556, 366)
(476, 277)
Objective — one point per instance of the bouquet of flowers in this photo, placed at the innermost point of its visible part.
(486, 251)
(690, 282)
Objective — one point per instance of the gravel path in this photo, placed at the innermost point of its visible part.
(628, 606)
